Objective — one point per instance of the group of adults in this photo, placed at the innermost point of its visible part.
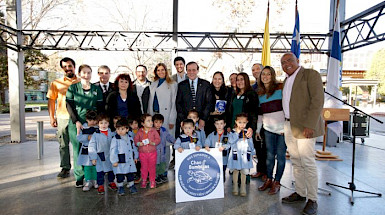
(281, 116)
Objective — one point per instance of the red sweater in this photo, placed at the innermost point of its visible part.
(153, 137)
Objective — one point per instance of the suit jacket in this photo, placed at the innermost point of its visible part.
(109, 90)
(306, 103)
(203, 99)
(174, 77)
(166, 94)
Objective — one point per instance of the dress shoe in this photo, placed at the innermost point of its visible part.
(257, 174)
(266, 185)
(275, 187)
(264, 177)
(64, 173)
(310, 208)
(293, 198)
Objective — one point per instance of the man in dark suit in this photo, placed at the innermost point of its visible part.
(105, 85)
(193, 93)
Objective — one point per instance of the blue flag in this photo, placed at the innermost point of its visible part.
(296, 40)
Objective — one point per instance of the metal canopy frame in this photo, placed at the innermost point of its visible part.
(358, 31)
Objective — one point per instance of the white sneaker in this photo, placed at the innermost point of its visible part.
(96, 186)
(87, 186)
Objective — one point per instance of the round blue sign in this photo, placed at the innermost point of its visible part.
(199, 174)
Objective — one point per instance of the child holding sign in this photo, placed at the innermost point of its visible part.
(189, 139)
(242, 150)
(219, 139)
(147, 139)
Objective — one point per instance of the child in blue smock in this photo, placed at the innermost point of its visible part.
(189, 138)
(133, 124)
(242, 150)
(163, 149)
(219, 139)
(99, 151)
(123, 156)
(194, 116)
(89, 128)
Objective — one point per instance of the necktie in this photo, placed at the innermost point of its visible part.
(105, 88)
(193, 93)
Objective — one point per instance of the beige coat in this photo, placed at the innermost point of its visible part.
(306, 103)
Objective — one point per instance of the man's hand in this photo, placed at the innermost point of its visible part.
(308, 132)
(258, 136)
(201, 124)
(53, 122)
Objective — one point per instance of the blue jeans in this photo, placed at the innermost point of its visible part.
(276, 147)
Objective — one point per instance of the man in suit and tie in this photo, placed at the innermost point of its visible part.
(193, 93)
(303, 100)
(180, 75)
(104, 83)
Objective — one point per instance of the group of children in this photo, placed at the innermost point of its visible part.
(144, 152)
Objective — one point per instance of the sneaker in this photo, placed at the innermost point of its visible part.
(152, 184)
(64, 173)
(164, 178)
(87, 186)
(133, 189)
(293, 198)
(96, 185)
(112, 186)
(101, 190)
(310, 208)
(144, 184)
(138, 180)
(121, 191)
(79, 183)
(158, 180)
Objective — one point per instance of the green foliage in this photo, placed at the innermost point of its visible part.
(377, 70)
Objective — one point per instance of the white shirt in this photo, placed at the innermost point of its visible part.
(286, 93)
(179, 79)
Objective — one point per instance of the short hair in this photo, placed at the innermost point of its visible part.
(91, 115)
(81, 67)
(260, 65)
(219, 118)
(188, 121)
(247, 82)
(193, 111)
(117, 118)
(141, 65)
(192, 62)
(103, 117)
(158, 116)
(144, 116)
(104, 67)
(124, 76)
(66, 59)
(123, 122)
(179, 59)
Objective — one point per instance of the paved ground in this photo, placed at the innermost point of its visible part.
(30, 186)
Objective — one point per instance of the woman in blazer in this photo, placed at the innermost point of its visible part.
(161, 96)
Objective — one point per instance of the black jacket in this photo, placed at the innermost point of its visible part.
(109, 90)
(204, 99)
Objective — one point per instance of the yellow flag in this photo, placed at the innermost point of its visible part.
(266, 42)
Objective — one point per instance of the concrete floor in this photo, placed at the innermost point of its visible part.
(30, 186)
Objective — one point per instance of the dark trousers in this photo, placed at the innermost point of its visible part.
(100, 177)
(138, 166)
(260, 149)
(120, 177)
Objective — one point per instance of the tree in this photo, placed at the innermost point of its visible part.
(377, 70)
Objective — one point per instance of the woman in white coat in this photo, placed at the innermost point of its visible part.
(161, 96)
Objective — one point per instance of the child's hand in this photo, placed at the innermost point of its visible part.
(249, 133)
(136, 160)
(207, 148)
(152, 143)
(141, 144)
(180, 149)
(115, 164)
(89, 137)
(94, 162)
(197, 148)
(221, 148)
(228, 130)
